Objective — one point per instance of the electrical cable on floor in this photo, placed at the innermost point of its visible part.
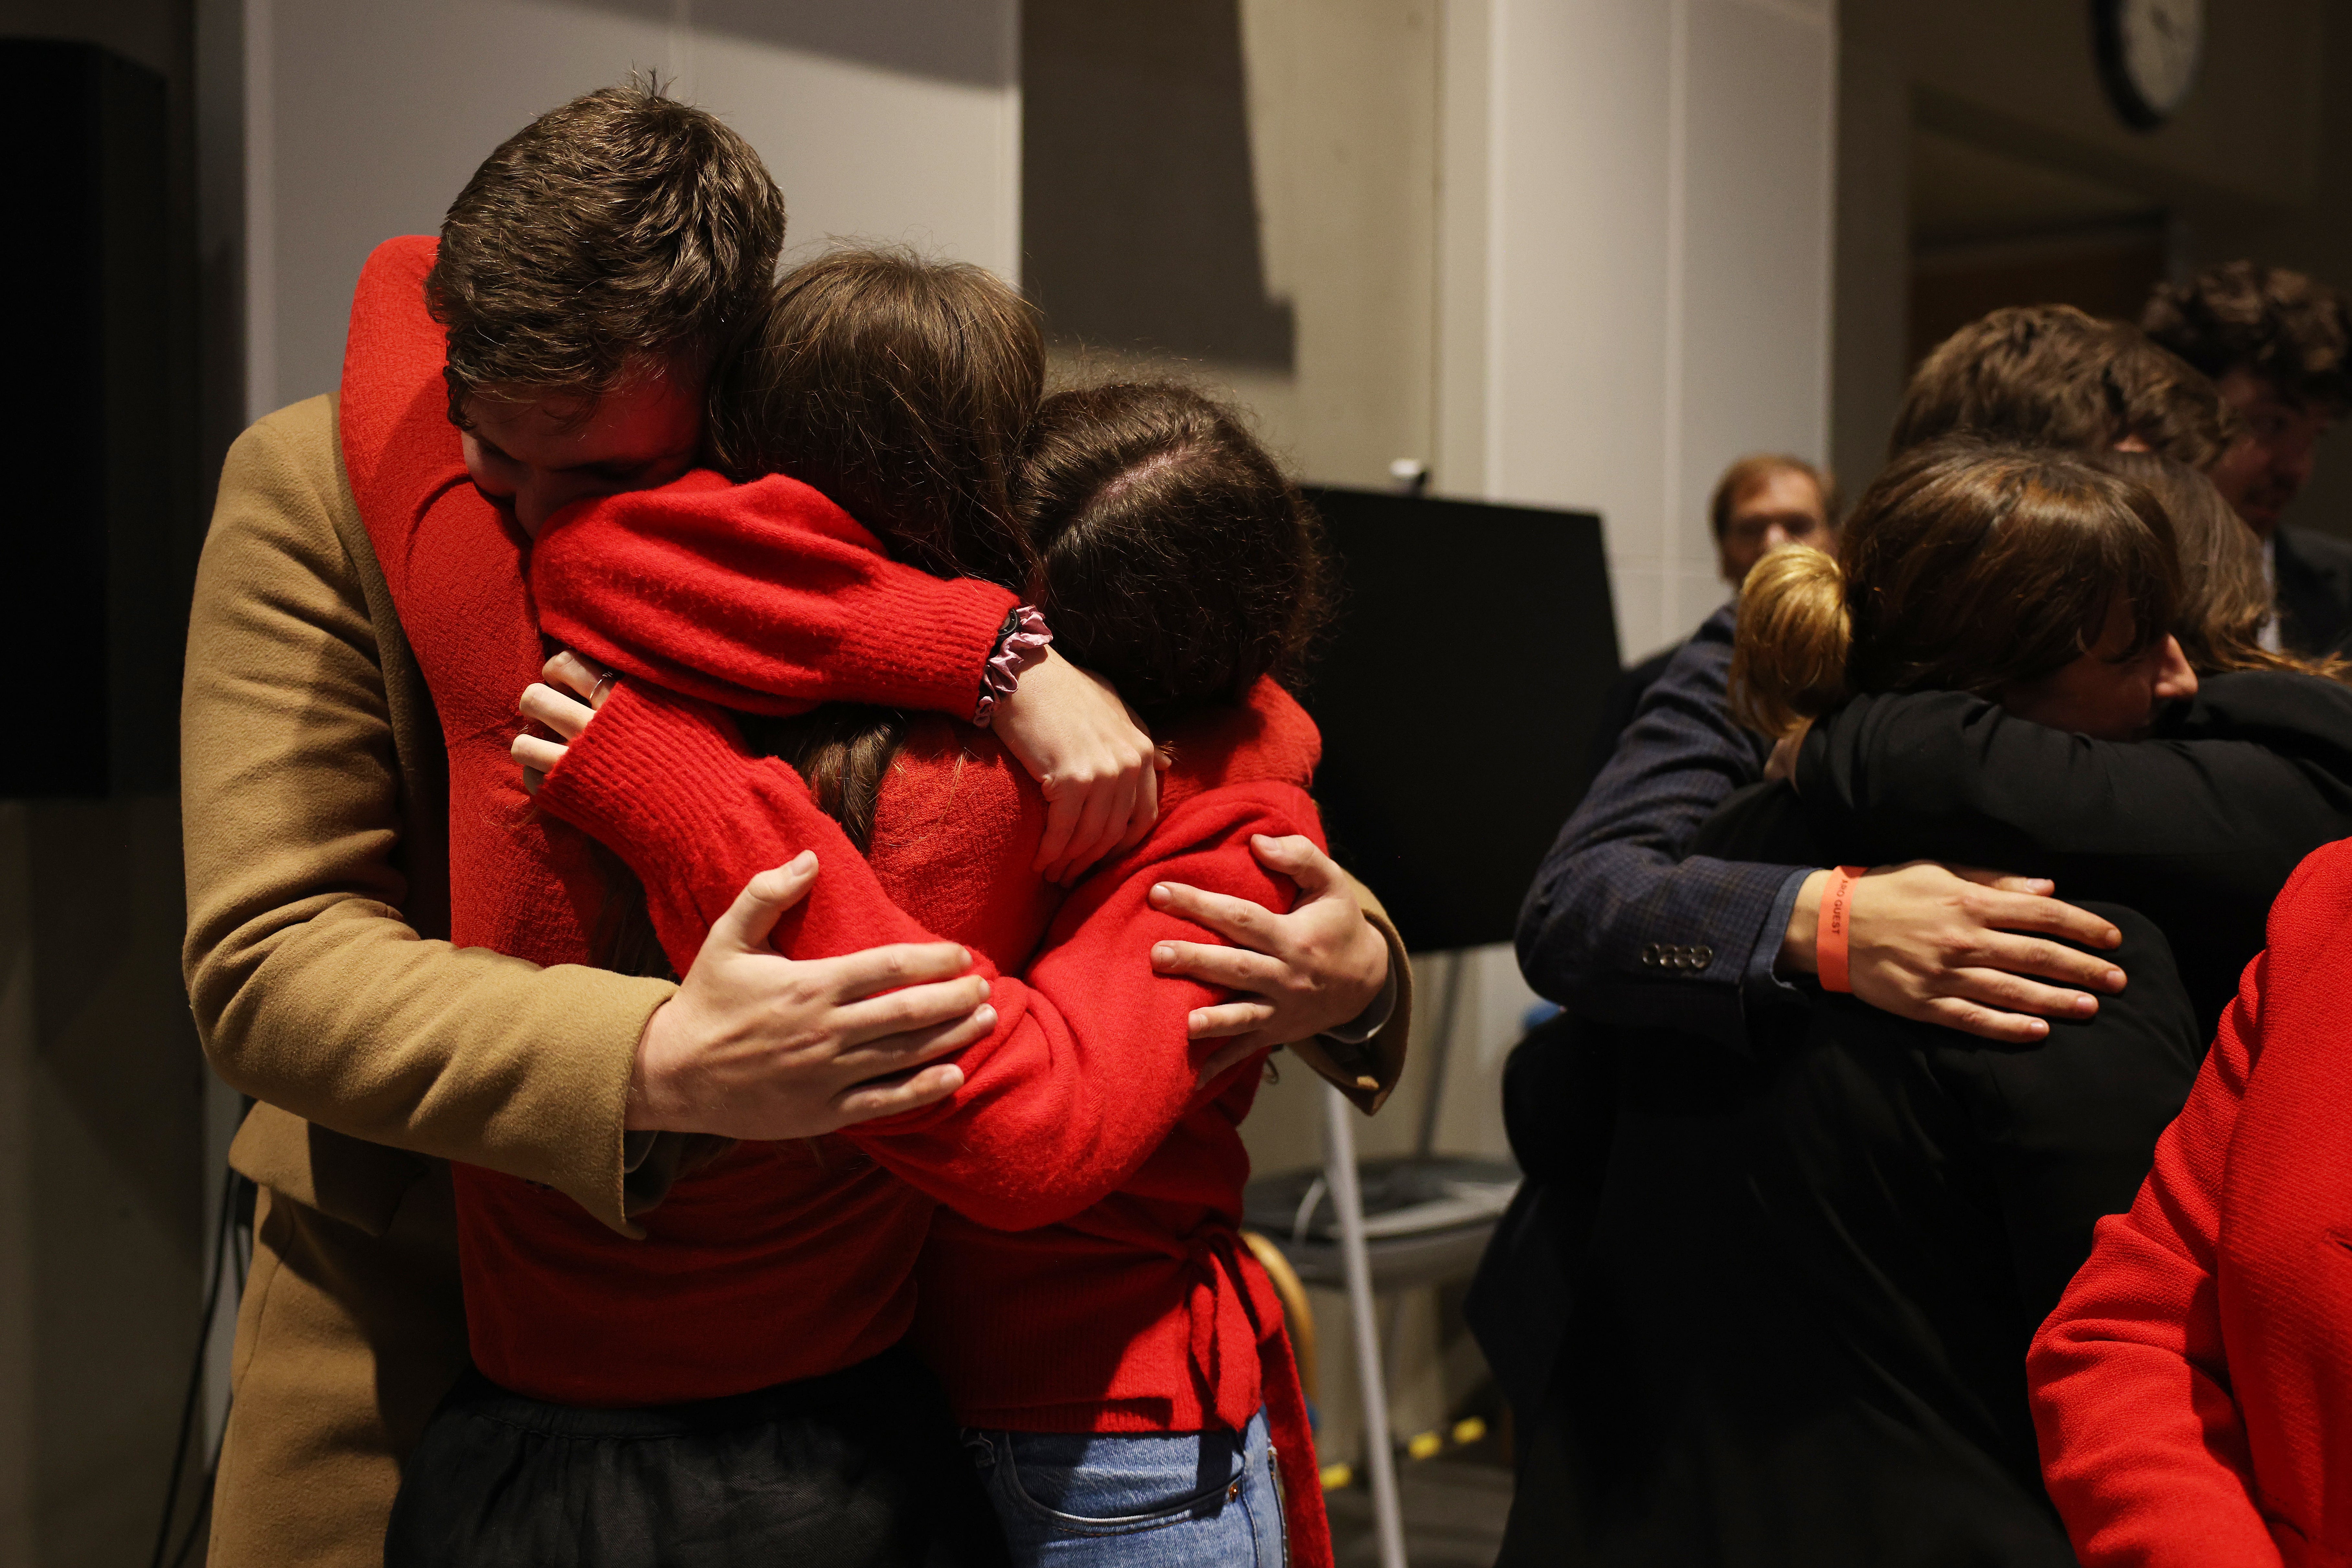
(217, 1267)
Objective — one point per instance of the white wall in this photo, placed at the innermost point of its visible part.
(889, 119)
(1657, 211)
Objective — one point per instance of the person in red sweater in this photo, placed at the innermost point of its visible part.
(1125, 1368)
(2192, 1392)
(560, 1318)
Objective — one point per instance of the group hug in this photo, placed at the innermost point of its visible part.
(753, 861)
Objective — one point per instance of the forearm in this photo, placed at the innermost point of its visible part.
(2143, 1446)
(665, 784)
(310, 987)
(1623, 921)
(1092, 1066)
(1948, 776)
(764, 597)
(1089, 1065)
(1366, 1060)
(1621, 933)
(348, 1018)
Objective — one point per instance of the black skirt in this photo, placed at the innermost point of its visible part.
(860, 1468)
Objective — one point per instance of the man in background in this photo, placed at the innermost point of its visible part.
(2278, 346)
(1764, 501)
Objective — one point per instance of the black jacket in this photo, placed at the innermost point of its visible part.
(2196, 829)
(1803, 1297)
(2315, 590)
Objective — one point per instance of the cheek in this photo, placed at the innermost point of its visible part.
(2237, 467)
(485, 470)
(2129, 701)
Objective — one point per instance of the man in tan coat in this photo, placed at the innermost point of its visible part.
(315, 812)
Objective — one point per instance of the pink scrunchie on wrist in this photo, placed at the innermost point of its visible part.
(1022, 644)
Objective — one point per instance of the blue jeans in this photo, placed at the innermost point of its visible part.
(1067, 1499)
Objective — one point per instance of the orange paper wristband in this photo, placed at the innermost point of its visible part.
(1833, 929)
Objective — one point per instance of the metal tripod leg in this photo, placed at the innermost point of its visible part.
(1347, 1199)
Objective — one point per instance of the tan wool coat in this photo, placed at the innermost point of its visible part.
(314, 802)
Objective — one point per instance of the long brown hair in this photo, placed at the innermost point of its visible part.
(2225, 601)
(902, 388)
(1175, 556)
(1965, 567)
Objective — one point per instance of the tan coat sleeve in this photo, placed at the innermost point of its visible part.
(313, 990)
(1366, 1074)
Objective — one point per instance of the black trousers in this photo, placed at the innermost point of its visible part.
(859, 1469)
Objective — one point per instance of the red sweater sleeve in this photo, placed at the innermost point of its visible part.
(765, 596)
(1088, 1068)
(2142, 1443)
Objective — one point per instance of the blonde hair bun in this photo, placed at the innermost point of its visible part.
(1788, 659)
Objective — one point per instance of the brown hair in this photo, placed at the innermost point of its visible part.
(2282, 326)
(621, 233)
(2050, 375)
(2225, 601)
(903, 389)
(1965, 567)
(1174, 558)
(1177, 558)
(1743, 477)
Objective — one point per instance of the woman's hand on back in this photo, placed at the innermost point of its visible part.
(1945, 946)
(1096, 764)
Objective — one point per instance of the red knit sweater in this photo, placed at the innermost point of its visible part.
(2192, 1393)
(819, 1251)
(1131, 1306)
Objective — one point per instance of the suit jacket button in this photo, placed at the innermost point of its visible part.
(1701, 956)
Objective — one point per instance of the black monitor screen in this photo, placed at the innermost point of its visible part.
(1457, 698)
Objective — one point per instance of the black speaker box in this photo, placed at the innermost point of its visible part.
(1457, 698)
(90, 625)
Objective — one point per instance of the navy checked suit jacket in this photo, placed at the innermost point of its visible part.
(1618, 926)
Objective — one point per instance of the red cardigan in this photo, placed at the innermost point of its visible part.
(2193, 1390)
(527, 884)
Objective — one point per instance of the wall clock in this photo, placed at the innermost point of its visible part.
(2148, 54)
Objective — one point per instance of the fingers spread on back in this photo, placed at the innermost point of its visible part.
(1228, 1018)
(1236, 920)
(894, 1097)
(873, 970)
(1235, 968)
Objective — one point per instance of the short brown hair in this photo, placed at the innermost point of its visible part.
(622, 227)
(1965, 567)
(2282, 326)
(902, 388)
(1177, 558)
(1754, 469)
(2050, 375)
